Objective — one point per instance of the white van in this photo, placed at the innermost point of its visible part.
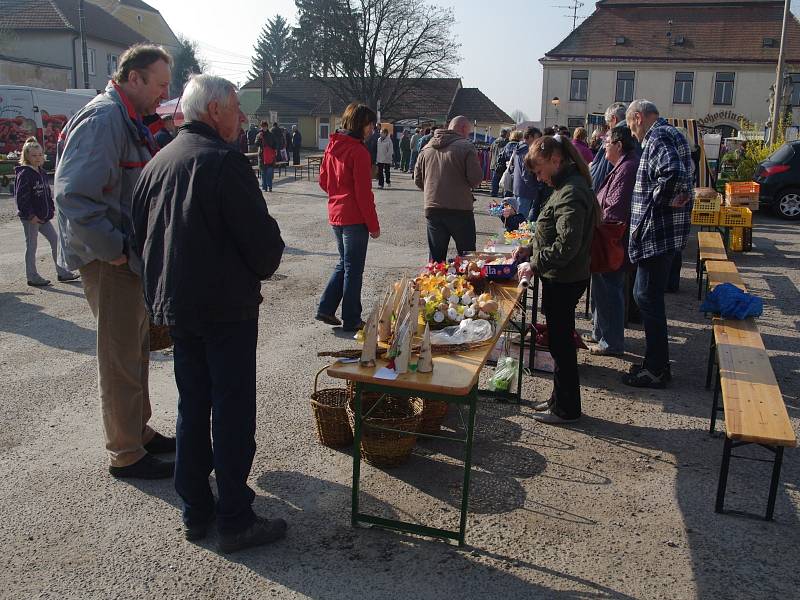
(28, 111)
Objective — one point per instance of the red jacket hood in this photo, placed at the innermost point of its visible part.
(344, 143)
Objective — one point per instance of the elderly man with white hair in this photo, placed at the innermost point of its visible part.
(207, 241)
(446, 171)
(660, 218)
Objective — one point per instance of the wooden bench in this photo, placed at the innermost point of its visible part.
(300, 170)
(709, 247)
(281, 166)
(755, 412)
(722, 271)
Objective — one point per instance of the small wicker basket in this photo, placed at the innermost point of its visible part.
(387, 448)
(159, 337)
(433, 413)
(330, 416)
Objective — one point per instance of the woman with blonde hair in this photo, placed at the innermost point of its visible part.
(35, 208)
(579, 141)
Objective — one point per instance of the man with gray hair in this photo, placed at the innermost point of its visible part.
(446, 171)
(101, 152)
(197, 210)
(600, 166)
(659, 229)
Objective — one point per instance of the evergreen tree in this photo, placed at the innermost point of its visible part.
(274, 49)
(185, 62)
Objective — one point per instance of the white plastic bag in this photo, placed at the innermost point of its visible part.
(469, 331)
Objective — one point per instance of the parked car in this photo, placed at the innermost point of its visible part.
(779, 177)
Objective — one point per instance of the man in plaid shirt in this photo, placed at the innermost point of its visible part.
(660, 219)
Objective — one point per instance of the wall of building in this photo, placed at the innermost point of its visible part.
(20, 73)
(102, 50)
(51, 47)
(147, 24)
(250, 100)
(656, 83)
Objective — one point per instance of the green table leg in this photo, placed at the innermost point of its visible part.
(473, 401)
(356, 453)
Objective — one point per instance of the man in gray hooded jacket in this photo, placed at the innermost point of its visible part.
(101, 152)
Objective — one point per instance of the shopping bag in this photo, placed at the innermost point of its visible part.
(608, 255)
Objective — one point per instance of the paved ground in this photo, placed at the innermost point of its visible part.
(619, 506)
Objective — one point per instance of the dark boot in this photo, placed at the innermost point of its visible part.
(260, 532)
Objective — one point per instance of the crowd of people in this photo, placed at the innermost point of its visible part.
(144, 218)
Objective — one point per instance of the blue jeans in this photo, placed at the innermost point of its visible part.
(608, 316)
(344, 286)
(215, 371)
(651, 282)
(414, 155)
(267, 173)
(498, 173)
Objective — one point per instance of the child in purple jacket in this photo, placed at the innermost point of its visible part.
(35, 209)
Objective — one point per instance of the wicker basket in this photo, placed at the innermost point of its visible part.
(433, 413)
(330, 415)
(387, 448)
(159, 337)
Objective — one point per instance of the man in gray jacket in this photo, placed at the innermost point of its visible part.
(101, 152)
(446, 171)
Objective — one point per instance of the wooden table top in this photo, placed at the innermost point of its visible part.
(723, 271)
(453, 374)
(710, 246)
(754, 407)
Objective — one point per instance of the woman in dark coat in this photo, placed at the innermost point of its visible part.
(608, 289)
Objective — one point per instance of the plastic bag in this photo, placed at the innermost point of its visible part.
(469, 331)
(507, 371)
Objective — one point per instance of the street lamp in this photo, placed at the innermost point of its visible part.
(555, 102)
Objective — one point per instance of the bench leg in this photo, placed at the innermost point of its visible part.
(700, 283)
(723, 476)
(773, 487)
(715, 405)
(711, 352)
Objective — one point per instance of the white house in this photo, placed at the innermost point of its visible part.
(710, 60)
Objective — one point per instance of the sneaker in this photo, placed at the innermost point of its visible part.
(260, 532)
(328, 319)
(380, 187)
(357, 327)
(634, 369)
(147, 467)
(551, 418)
(602, 351)
(588, 338)
(68, 277)
(160, 444)
(645, 378)
(38, 282)
(388, 184)
(541, 405)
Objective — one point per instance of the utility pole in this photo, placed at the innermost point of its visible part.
(84, 51)
(776, 106)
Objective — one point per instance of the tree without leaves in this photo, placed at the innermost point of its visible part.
(185, 62)
(275, 49)
(519, 116)
(370, 50)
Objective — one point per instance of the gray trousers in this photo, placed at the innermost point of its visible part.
(32, 231)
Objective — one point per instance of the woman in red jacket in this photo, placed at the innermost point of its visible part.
(346, 175)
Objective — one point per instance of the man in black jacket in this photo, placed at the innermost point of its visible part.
(197, 210)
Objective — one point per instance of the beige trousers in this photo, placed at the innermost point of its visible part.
(123, 358)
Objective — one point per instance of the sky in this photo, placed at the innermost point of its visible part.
(501, 42)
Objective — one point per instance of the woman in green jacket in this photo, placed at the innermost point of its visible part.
(560, 254)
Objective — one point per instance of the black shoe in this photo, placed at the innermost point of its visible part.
(147, 467)
(39, 282)
(645, 378)
(70, 277)
(328, 319)
(357, 327)
(261, 532)
(197, 531)
(160, 444)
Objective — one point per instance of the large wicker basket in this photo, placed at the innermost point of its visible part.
(433, 413)
(387, 448)
(330, 416)
(159, 337)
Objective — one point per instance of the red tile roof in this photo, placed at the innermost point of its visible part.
(716, 31)
(63, 14)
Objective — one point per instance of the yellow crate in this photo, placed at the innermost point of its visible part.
(741, 239)
(735, 216)
(707, 204)
(705, 217)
